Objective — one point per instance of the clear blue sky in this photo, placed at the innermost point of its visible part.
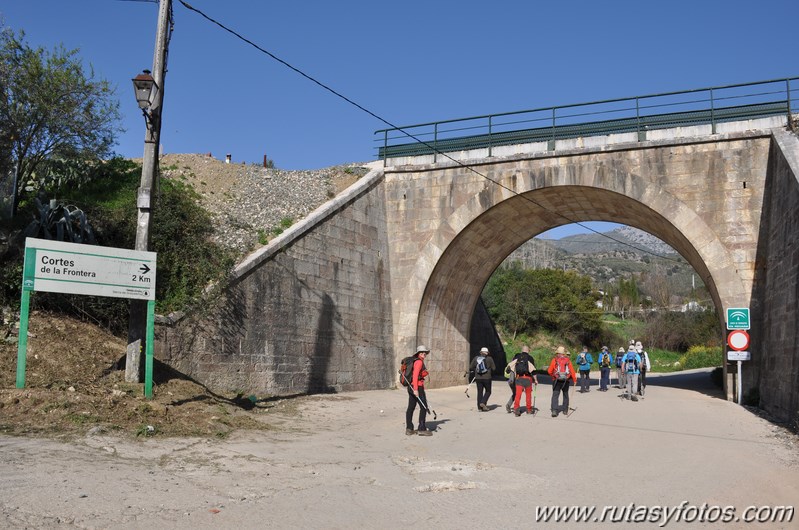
(408, 62)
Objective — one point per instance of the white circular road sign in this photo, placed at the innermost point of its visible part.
(738, 340)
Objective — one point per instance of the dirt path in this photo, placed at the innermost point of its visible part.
(346, 463)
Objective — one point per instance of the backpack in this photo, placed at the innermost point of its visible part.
(481, 369)
(605, 360)
(630, 363)
(522, 365)
(406, 370)
(561, 368)
(581, 359)
(619, 359)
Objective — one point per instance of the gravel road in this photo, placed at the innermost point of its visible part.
(345, 462)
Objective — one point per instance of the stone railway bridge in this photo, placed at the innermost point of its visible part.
(402, 256)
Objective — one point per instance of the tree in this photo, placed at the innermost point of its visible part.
(524, 301)
(51, 111)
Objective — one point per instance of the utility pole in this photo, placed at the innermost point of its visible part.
(147, 189)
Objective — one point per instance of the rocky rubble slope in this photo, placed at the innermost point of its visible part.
(250, 203)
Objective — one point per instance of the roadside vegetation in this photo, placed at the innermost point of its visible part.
(546, 308)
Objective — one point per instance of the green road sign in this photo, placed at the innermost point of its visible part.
(737, 318)
(61, 267)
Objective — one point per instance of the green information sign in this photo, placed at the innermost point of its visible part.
(737, 318)
(60, 267)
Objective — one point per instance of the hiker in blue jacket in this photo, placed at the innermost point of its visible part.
(583, 362)
(631, 366)
(605, 361)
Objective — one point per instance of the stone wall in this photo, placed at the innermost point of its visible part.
(776, 371)
(311, 312)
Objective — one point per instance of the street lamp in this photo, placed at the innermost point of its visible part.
(146, 91)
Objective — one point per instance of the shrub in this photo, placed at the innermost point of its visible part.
(701, 357)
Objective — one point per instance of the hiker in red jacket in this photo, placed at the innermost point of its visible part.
(563, 374)
(416, 394)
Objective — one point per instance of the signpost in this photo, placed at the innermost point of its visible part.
(59, 267)
(738, 340)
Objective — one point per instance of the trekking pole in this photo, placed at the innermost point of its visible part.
(470, 384)
(535, 391)
(423, 404)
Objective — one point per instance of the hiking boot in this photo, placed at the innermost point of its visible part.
(517, 412)
(529, 411)
(483, 407)
(554, 413)
(507, 407)
(424, 433)
(634, 398)
(410, 432)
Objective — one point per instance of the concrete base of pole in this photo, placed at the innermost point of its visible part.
(133, 362)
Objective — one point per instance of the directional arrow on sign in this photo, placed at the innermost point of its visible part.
(144, 268)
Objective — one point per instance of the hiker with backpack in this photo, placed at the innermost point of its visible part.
(645, 366)
(523, 368)
(631, 363)
(483, 366)
(412, 374)
(584, 361)
(605, 361)
(562, 372)
(510, 373)
(619, 371)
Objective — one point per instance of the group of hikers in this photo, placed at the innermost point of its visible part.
(631, 366)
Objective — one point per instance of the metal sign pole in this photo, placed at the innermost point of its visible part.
(740, 390)
(28, 268)
(149, 343)
(22, 338)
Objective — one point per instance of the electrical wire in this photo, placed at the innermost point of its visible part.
(408, 134)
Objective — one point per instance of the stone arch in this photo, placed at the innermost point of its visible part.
(474, 239)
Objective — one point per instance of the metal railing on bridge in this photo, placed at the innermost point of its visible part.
(639, 114)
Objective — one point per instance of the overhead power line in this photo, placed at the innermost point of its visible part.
(406, 133)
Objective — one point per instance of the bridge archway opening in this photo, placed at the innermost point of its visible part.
(456, 283)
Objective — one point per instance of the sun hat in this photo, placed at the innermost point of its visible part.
(422, 348)
(561, 351)
(604, 348)
(483, 350)
(621, 350)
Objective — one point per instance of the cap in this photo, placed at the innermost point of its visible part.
(483, 350)
(621, 350)
(604, 348)
(422, 348)
(561, 351)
